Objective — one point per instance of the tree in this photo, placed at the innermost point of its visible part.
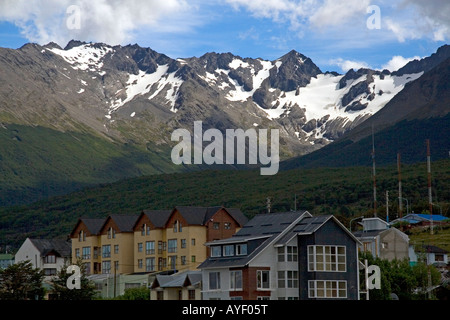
(21, 281)
(141, 293)
(61, 291)
(399, 277)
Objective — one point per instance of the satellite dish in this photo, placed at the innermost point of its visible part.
(394, 296)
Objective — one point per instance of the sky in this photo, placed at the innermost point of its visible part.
(336, 34)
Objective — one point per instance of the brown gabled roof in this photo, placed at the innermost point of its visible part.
(93, 225)
(157, 217)
(125, 223)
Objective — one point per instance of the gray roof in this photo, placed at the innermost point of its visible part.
(158, 217)
(177, 280)
(45, 246)
(125, 223)
(307, 225)
(261, 230)
(201, 215)
(93, 225)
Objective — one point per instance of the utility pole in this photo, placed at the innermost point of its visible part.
(387, 206)
(268, 205)
(430, 197)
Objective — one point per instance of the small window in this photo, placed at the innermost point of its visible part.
(228, 250)
(227, 225)
(216, 225)
(241, 249)
(216, 251)
(214, 280)
(263, 279)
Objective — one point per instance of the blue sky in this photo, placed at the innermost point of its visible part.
(334, 33)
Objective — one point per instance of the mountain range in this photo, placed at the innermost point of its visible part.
(91, 113)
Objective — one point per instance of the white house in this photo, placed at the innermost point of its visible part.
(49, 255)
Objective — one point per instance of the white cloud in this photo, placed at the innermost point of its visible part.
(346, 65)
(113, 22)
(397, 62)
(339, 12)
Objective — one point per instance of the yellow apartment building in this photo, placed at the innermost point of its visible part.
(154, 241)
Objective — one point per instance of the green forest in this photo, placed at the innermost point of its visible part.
(343, 192)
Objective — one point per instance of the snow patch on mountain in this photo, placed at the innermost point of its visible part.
(84, 57)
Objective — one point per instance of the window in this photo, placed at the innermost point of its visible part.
(327, 289)
(140, 247)
(191, 294)
(228, 250)
(106, 267)
(216, 251)
(140, 263)
(288, 253)
(216, 225)
(292, 253)
(214, 280)
(292, 279)
(177, 226)
(116, 266)
(384, 245)
(81, 236)
(51, 258)
(288, 279)
(193, 241)
(159, 295)
(263, 279)
(326, 258)
(192, 258)
(227, 225)
(172, 244)
(150, 247)
(183, 260)
(50, 271)
(241, 249)
(281, 254)
(150, 264)
(77, 252)
(143, 229)
(281, 279)
(106, 251)
(111, 233)
(86, 253)
(183, 243)
(236, 280)
(173, 262)
(116, 248)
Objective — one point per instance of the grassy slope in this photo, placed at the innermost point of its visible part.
(37, 162)
(345, 192)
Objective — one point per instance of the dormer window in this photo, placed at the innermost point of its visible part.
(111, 233)
(177, 226)
(81, 236)
(216, 251)
(228, 250)
(145, 230)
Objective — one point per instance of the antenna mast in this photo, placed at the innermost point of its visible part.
(400, 203)
(374, 177)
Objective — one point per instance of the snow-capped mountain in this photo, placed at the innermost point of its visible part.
(137, 95)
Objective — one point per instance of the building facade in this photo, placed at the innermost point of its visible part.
(49, 255)
(284, 256)
(154, 241)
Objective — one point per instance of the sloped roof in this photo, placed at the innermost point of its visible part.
(93, 225)
(177, 280)
(45, 246)
(158, 217)
(263, 229)
(125, 223)
(201, 215)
